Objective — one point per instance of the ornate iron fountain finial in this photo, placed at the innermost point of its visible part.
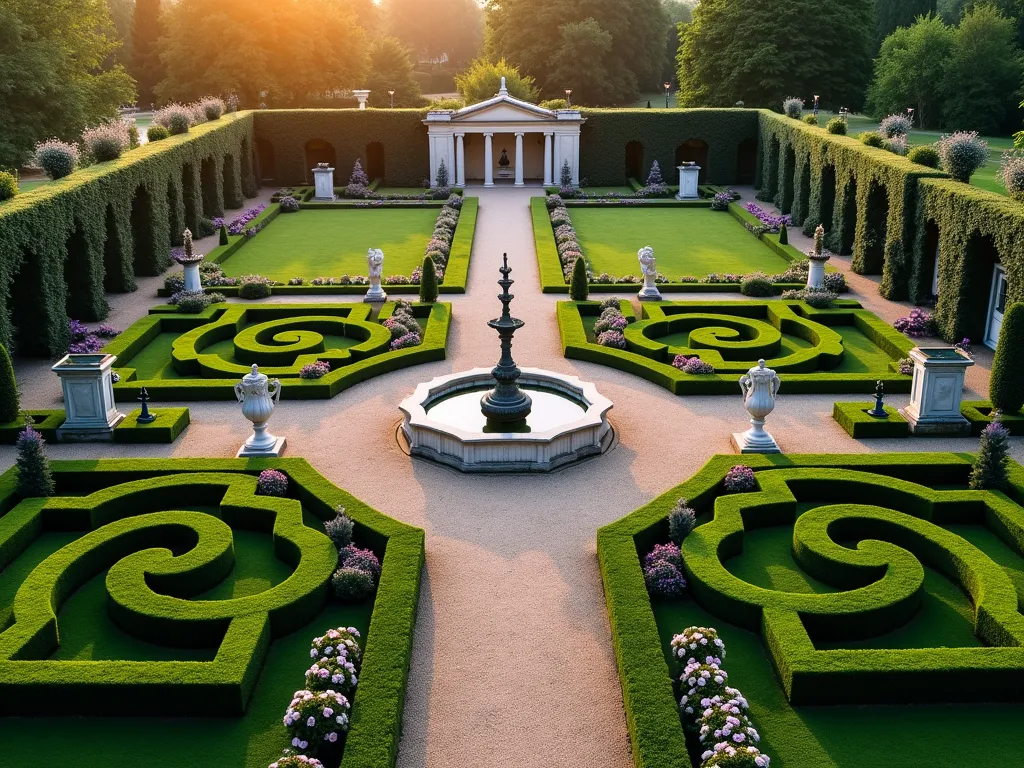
(506, 402)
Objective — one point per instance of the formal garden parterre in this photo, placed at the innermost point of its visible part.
(876, 584)
(317, 350)
(176, 599)
(841, 349)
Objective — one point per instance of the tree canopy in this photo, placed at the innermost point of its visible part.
(431, 28)
(482, 80)
(391, 70)
(51, 78)
(892, 14)
(147, 69)
(530, 34)
(292, 49)
(737, 50)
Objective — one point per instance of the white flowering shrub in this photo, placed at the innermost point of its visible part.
(213, 107)
(106, 141)
(176, 118)
(334, 673)
(726, 755)
(726, 721)
(962, 153)
(1011, 173)
(895, 125)
(700, 683)
(793, 107)
(698, 643)
(899, 145)
(342, 642)
(289, 760)
(315, 718)
(57, 158)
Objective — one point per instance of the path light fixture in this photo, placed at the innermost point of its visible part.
(816, 98)
(910, 114)
(667, 86)
(391, 93)
(568, 97)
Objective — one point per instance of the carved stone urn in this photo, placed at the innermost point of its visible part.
(258, 396)
(759, 385)
(649, 269)
(375, 266)
(190, 261)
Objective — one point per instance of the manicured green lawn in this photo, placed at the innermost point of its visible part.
(331, 243)
(685, 242)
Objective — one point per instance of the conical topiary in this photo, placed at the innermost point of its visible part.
(359, 176)
(579, 288)
(442, 176)
(654, 177)
(993, 453)
(34, 478)
(1006, 386)
(223, 234)
(783, 235)
(10, 407)
(428, 282)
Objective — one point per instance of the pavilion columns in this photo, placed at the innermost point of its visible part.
(547, 158)
(460, 160)
(557, 166)
(519, 159)
(488, 160)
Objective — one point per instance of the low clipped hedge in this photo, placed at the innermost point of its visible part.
(169, 424)
(652, 360)
(210, 377)
(553, 280)
(882, 583)
(854, 418)
(107, 500)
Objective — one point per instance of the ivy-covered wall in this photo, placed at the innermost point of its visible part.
(662, 133)
(972, 230)
(866, 197)
(285, 133)
(64, 244)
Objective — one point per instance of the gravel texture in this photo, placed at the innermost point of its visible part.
(513, 663)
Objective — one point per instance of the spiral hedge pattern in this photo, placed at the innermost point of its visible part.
(281, 339)
(137, 521)
(866, 526)
(732, 336)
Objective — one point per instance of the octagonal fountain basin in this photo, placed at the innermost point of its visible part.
(569, 421)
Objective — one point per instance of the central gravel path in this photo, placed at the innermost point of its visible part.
(513, 664)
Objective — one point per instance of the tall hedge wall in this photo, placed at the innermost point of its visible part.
(64, 244)
(973, 229)
(286, 132)
(606, 133)
(866, 197)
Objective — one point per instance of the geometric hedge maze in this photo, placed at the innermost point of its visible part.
(845, 348)
(211, 350)
(164, 530)
(865, 529)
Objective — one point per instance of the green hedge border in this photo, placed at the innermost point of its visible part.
(373, 738)
(652, 712)
(139, 334)
(648, 360)
(550, 266)
(169, 424)
(455, 278)
(116, 239)
(853, 418)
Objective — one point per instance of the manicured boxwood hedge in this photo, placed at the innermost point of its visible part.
(877, 226)
(210, 377)
(113, 512)
(169, 424)
(455, 276)
(882, 584)
(650, 359)
(606, 132)
(64, 244)
(854, 418)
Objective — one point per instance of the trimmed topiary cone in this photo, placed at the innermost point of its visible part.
(428, 282)
(783, 235)
(989, 470)
(1006, 387)
(10, 406)
(579, 288)
(223, 235)
(34, 477)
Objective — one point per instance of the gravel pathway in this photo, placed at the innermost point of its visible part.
(513, 664)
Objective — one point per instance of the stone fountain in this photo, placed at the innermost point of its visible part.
(507, 418)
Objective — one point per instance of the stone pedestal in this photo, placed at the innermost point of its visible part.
(936, 392)
(258, 403)
(688, 182)
(361, 97)
(323, 179)
(192, 281)
(90, 413)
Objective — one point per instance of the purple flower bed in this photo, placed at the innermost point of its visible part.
(740, 479)
(405, 341)
(770, 220)
(87, 342)
(918, 323)
(272, 483)
(663, 571)
(316, 370)
(693, 365)
(237, 224)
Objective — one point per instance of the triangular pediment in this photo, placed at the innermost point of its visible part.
(503, 109)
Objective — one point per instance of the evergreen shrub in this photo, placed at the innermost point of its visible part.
(924, 155)
(8, 185)
(579, 287)
(872, 139)
(156, 133)
(428, 281)
(989, 470)
(962, 153)
(10, 404)
(34, 477)
(57, 158)
(837, 126)
(1006, 385)
(106, 142)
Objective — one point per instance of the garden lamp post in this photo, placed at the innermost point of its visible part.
(391, 93)
(568, 97)
(816, 97)
(910, 114)
(667, 86)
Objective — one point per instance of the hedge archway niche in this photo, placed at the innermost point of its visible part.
(635, 161)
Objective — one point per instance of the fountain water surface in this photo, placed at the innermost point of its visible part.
(526, 420)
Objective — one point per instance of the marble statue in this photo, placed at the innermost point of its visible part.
(375, 264)
(649, 270)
